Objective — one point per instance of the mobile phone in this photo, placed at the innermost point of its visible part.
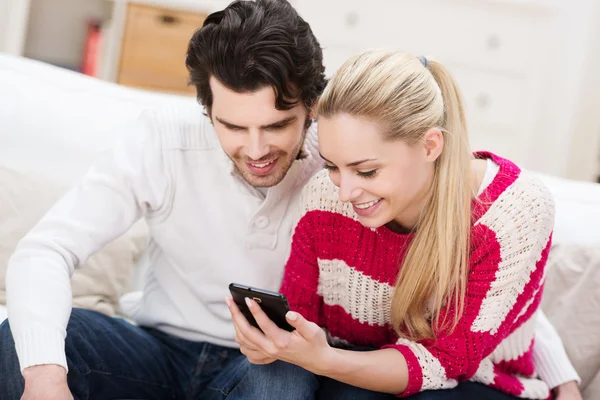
(274, 304)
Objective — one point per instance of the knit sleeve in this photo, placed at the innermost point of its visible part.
(123, 184)
(301, 276)
(507, 262)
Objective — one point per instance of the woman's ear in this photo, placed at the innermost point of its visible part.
(434, 143)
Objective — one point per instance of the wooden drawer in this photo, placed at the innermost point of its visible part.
(154, 46)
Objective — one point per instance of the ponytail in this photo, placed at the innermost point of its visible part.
(434, 272)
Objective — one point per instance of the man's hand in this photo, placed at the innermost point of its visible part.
(568, 391)
(47, 382)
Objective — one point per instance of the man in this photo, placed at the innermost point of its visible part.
(218, 192)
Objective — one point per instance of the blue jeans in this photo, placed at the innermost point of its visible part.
(109, 358)
(280, 380)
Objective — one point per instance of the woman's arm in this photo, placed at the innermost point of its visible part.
(378, 370)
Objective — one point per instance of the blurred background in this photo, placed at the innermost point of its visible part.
(526, 67)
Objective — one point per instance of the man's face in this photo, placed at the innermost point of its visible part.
(262, 141)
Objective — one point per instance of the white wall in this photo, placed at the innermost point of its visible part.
(57, 29)
(13, 25)
(578, 90)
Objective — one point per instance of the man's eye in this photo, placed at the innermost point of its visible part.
(277, 127)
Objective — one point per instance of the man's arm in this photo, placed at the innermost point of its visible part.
(549, 356)
(117, 191)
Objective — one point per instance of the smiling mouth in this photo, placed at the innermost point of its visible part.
(364, 206)
(262, 165)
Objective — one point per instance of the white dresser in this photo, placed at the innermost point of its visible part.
(527, 68)
(510, 58)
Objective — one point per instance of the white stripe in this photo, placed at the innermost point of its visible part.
(522, 219)
(321, 194)
(364, 298)
(485, 373)
(434, 374)
(533, 388)
(516, 344)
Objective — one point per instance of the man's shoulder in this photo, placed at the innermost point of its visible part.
(183, 127)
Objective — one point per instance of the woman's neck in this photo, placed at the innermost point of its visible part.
(409, 219)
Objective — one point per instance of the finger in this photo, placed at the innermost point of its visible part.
(239, 336)
(243, 343)
(256, 357)
(308, 330)
(271, 330)
(253, 337)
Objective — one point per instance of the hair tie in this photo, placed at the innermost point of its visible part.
(423, 60)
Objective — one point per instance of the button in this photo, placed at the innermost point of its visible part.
(262, 221)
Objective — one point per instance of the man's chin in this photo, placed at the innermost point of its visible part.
(262, 181)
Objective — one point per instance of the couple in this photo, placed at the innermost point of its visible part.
(413, 267)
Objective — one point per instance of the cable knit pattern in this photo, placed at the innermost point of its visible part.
(341, 275)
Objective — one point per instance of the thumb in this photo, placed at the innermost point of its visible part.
(304, 327)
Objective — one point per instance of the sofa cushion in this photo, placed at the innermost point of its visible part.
(571, 301)
(24, 199)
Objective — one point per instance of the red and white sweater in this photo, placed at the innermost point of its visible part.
(341, 275)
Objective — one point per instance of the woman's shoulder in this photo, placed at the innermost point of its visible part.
(523, 205)
(321, 195)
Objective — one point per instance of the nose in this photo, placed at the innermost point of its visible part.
(256, 147)
(349, 191)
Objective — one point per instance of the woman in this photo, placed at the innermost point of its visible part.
(412, 246)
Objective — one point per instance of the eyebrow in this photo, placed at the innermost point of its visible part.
(277, 124)
(352, 164)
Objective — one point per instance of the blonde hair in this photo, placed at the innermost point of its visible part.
(406, 96)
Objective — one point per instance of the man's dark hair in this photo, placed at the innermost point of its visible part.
(253, 44)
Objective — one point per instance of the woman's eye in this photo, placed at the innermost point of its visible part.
(330, 167)
(367, 174)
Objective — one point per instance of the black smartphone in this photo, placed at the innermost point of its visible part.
(274, 304)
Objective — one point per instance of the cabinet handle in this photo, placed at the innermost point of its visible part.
(483, 101)
(168, 19)
(493, 42)
(351, 19)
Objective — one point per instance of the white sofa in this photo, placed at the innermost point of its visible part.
(53, 122)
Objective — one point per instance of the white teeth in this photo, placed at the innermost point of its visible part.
(366, 205)
(262, 165)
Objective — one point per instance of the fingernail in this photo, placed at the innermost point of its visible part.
(292, 316)
(249, 302)
(228, 301)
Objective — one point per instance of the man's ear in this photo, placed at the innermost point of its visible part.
(312, 112)
(433, 141)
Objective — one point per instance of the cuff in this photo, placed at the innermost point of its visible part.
(415, 373)
(553, 367)
(41, 347)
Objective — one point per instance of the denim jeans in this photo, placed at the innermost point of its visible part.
(280, 380)
(109, 358)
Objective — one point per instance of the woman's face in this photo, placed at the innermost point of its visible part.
(384, 180)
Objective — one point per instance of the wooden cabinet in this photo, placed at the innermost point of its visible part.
(154, 46)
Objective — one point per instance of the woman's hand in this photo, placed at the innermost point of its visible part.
(306, 347)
